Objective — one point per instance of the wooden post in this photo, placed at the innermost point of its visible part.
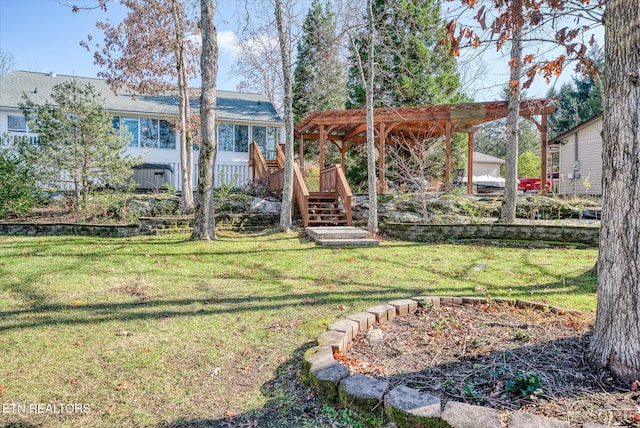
(343, 154)
(382, 137)
(447, 154)
(543, 156)
(322, 137)
(470, 163)
(301, 152)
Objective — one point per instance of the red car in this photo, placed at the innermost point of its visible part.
(533, 184)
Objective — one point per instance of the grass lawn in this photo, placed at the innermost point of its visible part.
(160, 331)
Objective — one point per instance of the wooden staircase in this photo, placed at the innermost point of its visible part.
(329, 207)
(325, 210)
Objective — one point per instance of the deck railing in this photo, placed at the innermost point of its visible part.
(280, 157)
(257, 161)
(332, 179)
(300, 191)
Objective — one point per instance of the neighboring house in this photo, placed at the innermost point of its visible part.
(580, 159)
(241, 117)
(486, 165)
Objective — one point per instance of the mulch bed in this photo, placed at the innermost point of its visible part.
(498, 356)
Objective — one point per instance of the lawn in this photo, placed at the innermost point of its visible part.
(160, 331)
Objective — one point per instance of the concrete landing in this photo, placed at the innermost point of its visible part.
(341, 236)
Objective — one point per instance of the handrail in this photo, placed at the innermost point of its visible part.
(332, 179)
(301, 194)
(280, 157)
(300, 191)
(257, 161)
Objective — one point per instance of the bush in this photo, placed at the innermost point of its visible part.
(18, 190)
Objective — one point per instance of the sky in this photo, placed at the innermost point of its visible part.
(44, 36)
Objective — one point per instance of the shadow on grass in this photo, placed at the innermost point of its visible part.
(289, 403)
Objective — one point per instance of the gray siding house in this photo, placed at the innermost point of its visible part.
(242, 118)
(580, 158)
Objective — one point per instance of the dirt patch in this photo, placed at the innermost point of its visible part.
(497, 356)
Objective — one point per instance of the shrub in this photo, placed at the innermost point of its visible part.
(18, 190)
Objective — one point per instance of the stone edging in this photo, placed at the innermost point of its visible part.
(406, 407)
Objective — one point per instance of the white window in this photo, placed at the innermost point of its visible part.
(16, 123)
(233, 138)
(146, 132)
(267, 137)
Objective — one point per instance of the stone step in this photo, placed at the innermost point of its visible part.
(336, 233)
(348, 242)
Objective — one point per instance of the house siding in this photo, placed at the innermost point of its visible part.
(491, 169)
(589, 143)
(231, 168)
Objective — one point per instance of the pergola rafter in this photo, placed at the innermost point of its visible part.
(344, 128)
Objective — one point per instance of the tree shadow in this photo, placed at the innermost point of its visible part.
(289, 403)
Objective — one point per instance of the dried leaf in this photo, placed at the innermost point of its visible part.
(122, 385)
(2, 390)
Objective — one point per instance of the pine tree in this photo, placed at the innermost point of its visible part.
(77, 142)
(413, 66)
(319, 83)
(580, 100)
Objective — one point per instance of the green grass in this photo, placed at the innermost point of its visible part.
(137, 328)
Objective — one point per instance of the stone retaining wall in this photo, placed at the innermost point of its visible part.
(444, 232)
(404, 406)
(146, 226)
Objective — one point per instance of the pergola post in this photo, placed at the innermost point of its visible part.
(383, 155)
(447, 154)
(543, 156)
(470, 163)
(322, 137)
(343, 155)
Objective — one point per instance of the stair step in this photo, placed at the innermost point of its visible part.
(344, 232)
(329, 215)
(341, 236)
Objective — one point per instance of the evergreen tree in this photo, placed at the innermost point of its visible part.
(579, 100)
(413, 66)
(77, 142)
(319, 83)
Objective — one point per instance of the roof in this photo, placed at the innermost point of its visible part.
(577, 128)
(423, 121)
(231, 106)
(482, 158)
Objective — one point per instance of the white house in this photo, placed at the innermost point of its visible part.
(580, 163)
(486, 165)
(242, 118)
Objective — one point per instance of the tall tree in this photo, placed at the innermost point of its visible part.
(151, 52)
(508, 210)
(284, 38)
(204, 225)
(76, 140)
(615, 343)
(413, 67)
(319, 82)
(515, 22)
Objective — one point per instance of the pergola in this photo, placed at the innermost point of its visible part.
(346, 128)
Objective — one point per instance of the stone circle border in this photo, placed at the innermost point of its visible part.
(404, 406)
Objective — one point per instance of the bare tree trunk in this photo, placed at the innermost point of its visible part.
(615, 344)
(372, 223)
(204, 222)
(508, 212)
(186, 151)
(287, 191)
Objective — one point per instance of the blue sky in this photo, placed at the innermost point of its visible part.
(44, 36)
